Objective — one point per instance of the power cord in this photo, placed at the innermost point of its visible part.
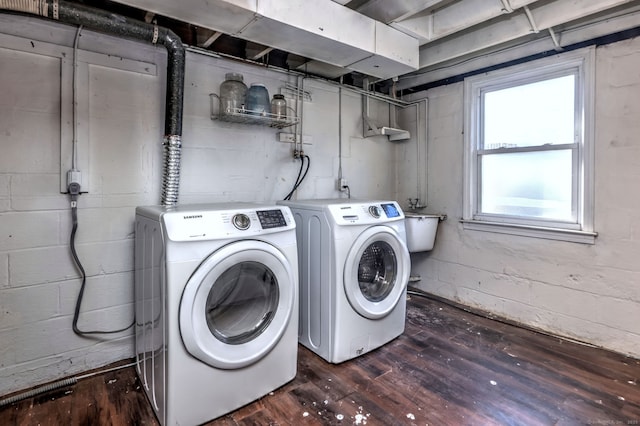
(299, 179)
(74, 192)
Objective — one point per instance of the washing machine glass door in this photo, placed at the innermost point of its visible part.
(237, 304)
(376, 272)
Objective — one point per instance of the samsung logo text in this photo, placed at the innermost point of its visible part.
(194, 216)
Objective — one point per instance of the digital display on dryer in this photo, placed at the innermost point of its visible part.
(271, 218)
(390, 210)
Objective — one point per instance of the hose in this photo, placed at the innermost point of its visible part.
(38, 391)
(57, 385)
(299, 179)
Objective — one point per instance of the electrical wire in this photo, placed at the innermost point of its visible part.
(72, 245)
(74, 192)
(346, 188)
(300, 176)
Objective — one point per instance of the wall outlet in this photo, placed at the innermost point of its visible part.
(341, 184)
(74, 176)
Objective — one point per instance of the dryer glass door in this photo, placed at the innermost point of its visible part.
(242, 302)
(237, 304)
(376, 272)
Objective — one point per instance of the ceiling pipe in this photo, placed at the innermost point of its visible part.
(110, 23)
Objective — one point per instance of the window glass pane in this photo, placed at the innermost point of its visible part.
(534, 184)
(530, 115)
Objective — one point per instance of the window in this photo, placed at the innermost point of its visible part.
(529, 149)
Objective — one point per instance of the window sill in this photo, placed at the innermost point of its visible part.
(569, 235)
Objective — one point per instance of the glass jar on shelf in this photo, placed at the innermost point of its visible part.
(233, 93)
(258, 100)
(279, 107)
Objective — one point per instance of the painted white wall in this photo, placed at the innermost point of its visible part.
(586, 292)
(120, 129)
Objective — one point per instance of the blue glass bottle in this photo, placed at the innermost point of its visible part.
(258, 102)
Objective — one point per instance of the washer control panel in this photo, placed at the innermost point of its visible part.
(369, 212)
(390, 209)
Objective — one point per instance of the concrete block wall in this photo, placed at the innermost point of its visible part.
(586, 292)
(121, 108)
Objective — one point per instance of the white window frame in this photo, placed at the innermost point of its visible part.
(580, 63)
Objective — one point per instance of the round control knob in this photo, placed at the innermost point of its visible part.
(241, 221)
(374, 211)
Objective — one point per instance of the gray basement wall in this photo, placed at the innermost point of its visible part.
(120, 92)
(587, 292)
(590, 293)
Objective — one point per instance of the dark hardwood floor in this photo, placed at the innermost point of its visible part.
(450, 367)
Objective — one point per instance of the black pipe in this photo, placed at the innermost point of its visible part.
(118, 25)
(110, 23)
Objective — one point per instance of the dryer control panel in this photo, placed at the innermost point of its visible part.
(192, 225)
(271, 218)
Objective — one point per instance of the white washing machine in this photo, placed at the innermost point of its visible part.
(354, 269)
(216, 306)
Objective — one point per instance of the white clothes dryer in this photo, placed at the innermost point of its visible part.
(216, 300)
(354, 269)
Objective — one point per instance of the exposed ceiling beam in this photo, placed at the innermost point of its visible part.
(262, 53)
(453, 18)
(546, 15)
(389, 11)
(605, 25)
(208, 42)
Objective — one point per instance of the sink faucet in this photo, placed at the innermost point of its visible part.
(414, 204)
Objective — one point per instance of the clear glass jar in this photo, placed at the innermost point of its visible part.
(258, 99)
(279, 107)
(233, 94)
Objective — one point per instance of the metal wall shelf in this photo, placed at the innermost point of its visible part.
(245, 116)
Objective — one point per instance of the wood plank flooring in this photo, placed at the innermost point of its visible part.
(450, 367)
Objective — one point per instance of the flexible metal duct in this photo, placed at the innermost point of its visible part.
(106, 22)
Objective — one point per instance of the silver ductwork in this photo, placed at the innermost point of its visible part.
(110, 23)
(171, 177)
(322, 30)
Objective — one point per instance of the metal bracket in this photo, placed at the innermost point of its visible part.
(370, 128)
